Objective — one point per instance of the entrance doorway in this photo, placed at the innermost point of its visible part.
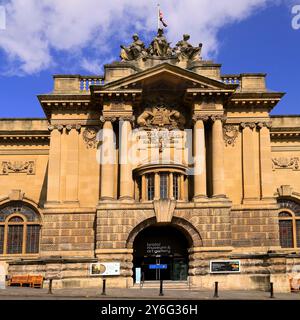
(161, 252)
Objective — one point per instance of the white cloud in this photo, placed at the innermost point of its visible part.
(38, 31)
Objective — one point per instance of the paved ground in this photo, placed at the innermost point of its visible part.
(16, 293)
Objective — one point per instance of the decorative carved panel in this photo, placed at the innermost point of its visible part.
(286, 163)
(161, 117)
(8, 167)
(230, 135)
(90, 137)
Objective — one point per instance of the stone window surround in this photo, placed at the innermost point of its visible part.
(294, 219)
(24, 223)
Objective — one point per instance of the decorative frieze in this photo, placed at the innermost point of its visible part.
(286, 163)
(8, 167)
(230, 134)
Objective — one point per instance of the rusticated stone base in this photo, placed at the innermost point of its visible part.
(257, 271)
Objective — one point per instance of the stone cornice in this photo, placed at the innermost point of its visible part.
(22, 138)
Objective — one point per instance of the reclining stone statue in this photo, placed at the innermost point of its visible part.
(135, 51)
(185, 51)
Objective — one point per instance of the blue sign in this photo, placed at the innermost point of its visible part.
(158, 266)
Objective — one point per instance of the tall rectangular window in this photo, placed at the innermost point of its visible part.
(164, 186)
(286, 233)
(150, 186)
(1, 239)
(176, 186)
(298, 232)
(32, 240)
(14, 239)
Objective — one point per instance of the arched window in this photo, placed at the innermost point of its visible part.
(19, 230)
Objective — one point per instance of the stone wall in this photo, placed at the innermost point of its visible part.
(70, 232)
(254, 228)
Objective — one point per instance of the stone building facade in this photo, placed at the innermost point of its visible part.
(213, 173)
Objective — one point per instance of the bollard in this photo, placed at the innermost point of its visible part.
(161, 293)
(103, 287)
(271, 290)
(216, 294)
(50, 286)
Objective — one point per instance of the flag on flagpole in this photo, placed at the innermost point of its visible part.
(161, 18)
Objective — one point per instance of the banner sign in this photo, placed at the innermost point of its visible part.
(105, 269)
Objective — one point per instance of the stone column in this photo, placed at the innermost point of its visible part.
(218, 157)
(250, 174)
(156, 186)
(72, 163)
(171, 181)
(144, 195)
(53, 195)
(108, 159)
(126, 180)
(199, 157)
(266, 183)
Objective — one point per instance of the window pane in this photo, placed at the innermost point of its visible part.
(1, 239)
(16, 219)
(150, 186)
(298, 232)
(285, 214)
(175, 186)
(286, 233)
(164, 186)
(33, 238)
(15, 239)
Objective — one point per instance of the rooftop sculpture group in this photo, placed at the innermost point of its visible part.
(160, 48)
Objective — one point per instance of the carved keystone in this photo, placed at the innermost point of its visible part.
(285, 191)
(16, 195)
(164, 210)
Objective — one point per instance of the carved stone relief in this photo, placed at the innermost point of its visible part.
(90, 137)
(286, 163)
(230, 135)
(8, 167)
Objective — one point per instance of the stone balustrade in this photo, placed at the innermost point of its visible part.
(87, 81)
(75, 83)
(231, 79)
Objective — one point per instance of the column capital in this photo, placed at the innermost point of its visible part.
(104, 119)
(199, 117)
(129, 118)
(251, 125)
(266, 124)
(216, 117)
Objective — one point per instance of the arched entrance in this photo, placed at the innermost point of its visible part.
(161, 251)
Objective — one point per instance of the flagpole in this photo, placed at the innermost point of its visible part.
(158, 12)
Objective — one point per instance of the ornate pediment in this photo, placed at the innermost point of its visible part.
(168, 73)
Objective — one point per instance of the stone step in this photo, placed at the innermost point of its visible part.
(184, 285)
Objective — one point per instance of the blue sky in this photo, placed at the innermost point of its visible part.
(251, 36)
